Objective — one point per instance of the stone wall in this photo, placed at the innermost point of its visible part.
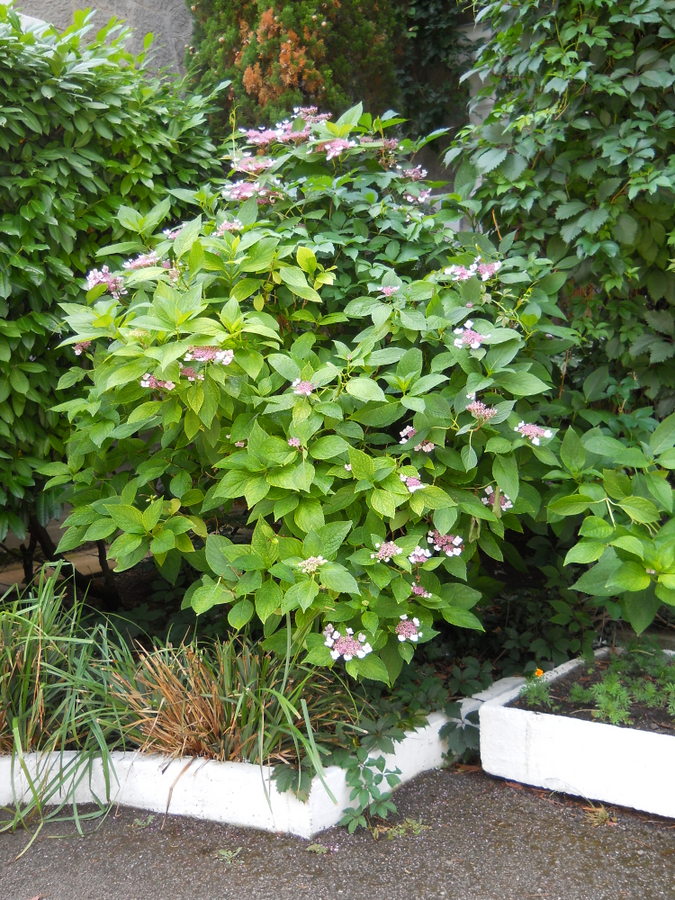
(169, 20)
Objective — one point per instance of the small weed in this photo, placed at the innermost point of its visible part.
(403, 829)
(227, 856)
(143, 822)
(598, 815)
(317, 848)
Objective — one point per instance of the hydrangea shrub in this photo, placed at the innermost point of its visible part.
(321, 360)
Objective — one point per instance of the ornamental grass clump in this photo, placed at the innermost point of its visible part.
(335, 420)
(230, 700)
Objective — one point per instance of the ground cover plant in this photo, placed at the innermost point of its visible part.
(575, 158)
(83, 129)
(634, 687)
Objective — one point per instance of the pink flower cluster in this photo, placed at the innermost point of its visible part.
(419, 555)
(143, 261)
(80, 347)
(413, 483)
(149, 381)
(294, 442)
(252, 165)
(468, 337)
(407, 433)
(386, 551)
(346, 646)
(504, 499)
(450, 544)
(482, 269)
(417, 173)
(282, 133)
(425, 447)
(114, 283)
(209, 354)
(311, 114)
(417, 590)
(172, 233)
(335, 147)
(191, 374)
(533, 432)
(172, 271)
(302, 388)
(311, 564)
(244, 190)
(422, 197)
(480, 411)
(389, 290)
(227, 226)
(408, 629)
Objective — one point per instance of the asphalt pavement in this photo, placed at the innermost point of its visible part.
(458, 833)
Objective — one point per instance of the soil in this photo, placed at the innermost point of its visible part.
(643, 717)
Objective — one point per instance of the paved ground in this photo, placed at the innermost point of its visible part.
(486, 839)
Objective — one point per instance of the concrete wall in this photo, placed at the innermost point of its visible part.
(169, 20)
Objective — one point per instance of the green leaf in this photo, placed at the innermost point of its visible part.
(240, 614)
(362, 465)
(300, 595)
(365, 389)
(585, 552)
(327, 540)
(663, 438)
(328, 447)
(268, 600)
(461, 617)
(383, 502)
(209, 594)
(522, 384)
(505, 473)
(639, 609)
(490, 159)
(570, 505)
(596, 528)
(127, 518)
(640, 510)
(572, 452)
(337, 578)
(370, 667)
(596, 581)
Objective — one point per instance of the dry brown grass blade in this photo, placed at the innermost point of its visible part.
(176, 700)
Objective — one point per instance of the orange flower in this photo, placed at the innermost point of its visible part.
(538, 673)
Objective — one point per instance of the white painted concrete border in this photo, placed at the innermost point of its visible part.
(588, 759)
(231, 792)
(236, 793)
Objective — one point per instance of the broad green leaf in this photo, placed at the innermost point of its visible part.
(365, 389)
(337, 578)
(522, 384)
(463, 618)
(268, 599)
(300, 595)
(572, 452)
(240, 614)
(370, 667)
(640, 609)
(210, 594)
(640, 510)
(585, 552)
(328, 447)
(505, 473)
